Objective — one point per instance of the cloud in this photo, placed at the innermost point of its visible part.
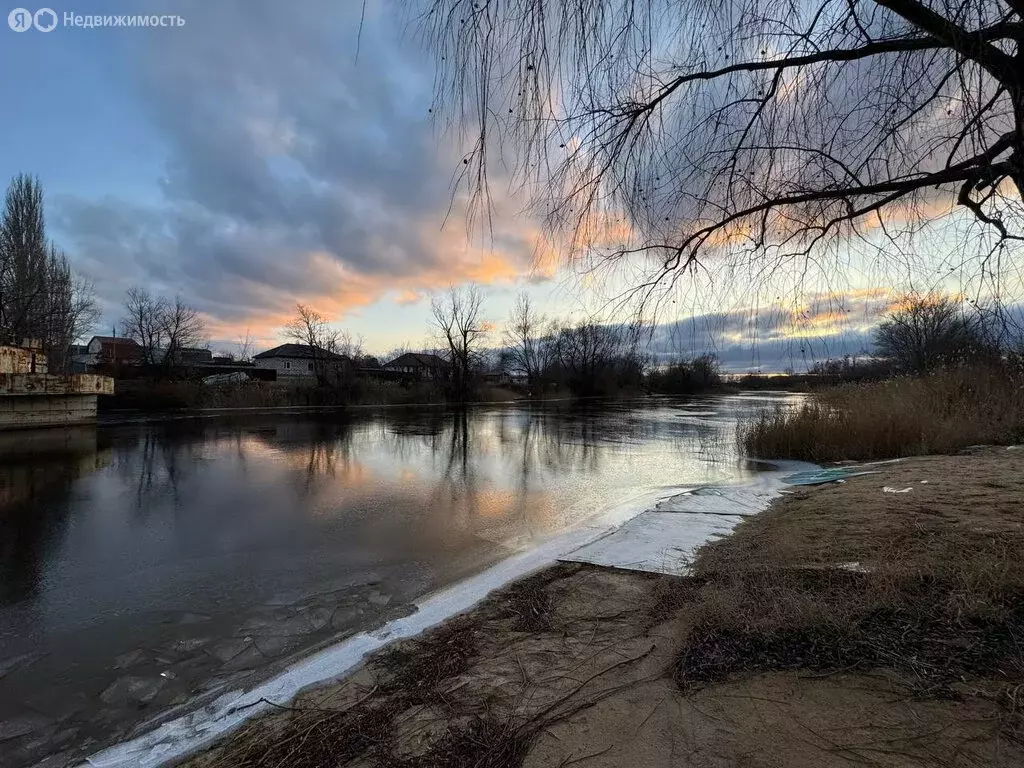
(294, 172)
(405, 298)
(775, 337)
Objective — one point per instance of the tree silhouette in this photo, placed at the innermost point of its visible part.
(759, 131)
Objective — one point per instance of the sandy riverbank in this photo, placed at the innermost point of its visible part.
(846, 625)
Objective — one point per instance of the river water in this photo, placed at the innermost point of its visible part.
(146, 565)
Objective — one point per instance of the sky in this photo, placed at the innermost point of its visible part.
(249, 160)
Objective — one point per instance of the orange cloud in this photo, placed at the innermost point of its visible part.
(406, 298)
(505, 258)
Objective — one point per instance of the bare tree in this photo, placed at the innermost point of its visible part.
(40, 297)
(928, 331)
(143, 322)
(161, 328)
(245, 347)
(312, 329)
(524, 339)
(752, 130)
(457, 315)
(70, 310)
(585, 353)
(183, 328)
(23, 261)
(349, 345)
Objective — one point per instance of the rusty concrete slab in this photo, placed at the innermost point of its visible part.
(34, 384)
(22, 360)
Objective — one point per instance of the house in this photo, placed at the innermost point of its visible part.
(502, 378)
(184, 356)
(296, 361)
(78, 358)
(194, 356)
(421, 365)
(112, 350)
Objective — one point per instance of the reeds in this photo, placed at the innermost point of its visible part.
(939, 413)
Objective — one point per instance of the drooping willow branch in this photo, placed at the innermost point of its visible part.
(738, 128)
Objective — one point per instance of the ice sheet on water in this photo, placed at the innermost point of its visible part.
(21, 726)
(199, 727)
(657, 542)
(663, 539)
(13, 663)
(132, 690)
(822, 476)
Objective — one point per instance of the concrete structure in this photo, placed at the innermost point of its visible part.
(420, 365)
(295, 362)
(32, 397)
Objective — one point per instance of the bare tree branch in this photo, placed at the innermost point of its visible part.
(756, 132)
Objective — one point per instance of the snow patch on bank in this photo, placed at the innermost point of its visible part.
(657, 531)
(664, 539)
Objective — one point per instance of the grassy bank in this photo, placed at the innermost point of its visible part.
(927, 584)
(156, 395)
(939, 413)
(776, 651)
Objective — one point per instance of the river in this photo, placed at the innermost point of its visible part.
(145, 565)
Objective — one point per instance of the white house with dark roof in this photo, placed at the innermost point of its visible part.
(112, 350)
(294, 362)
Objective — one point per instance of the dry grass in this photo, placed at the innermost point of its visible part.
(928, 633)
(528, 603)
(417, 668)
(413, 677)
(928, 586)
(939, 413)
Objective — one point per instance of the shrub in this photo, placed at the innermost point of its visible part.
(925, 332)
(687, 377)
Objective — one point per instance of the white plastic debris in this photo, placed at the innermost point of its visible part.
(890, 489)
(853, 567)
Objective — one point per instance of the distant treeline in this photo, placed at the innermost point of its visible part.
(546, 359)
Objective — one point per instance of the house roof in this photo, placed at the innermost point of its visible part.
(417, 360)
(113, 340)
(117, 348)
(300, 351)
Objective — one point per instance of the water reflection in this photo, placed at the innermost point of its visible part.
(175, 543)
(37, 472)
(409, 482)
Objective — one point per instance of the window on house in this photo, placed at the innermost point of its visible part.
(309, 366)
(287, 365)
